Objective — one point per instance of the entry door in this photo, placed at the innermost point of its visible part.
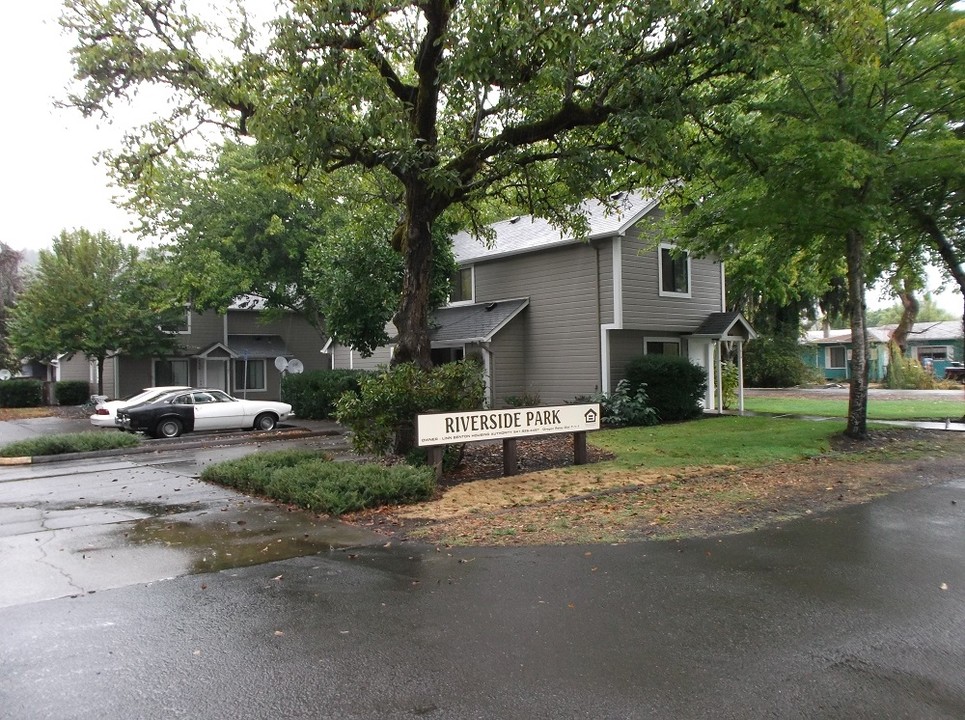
(215, 374)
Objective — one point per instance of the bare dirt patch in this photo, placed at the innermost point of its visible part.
(593, 503)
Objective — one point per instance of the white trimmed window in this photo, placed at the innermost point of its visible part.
(661, 346)
(171, 371)
(934, 352)
(674, 271)
(836, 358)
(250, 375)
(461, 289)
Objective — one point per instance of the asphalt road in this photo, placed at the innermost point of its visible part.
(856, 614)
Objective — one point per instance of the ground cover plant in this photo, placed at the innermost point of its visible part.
(313, 481)
(69, 443)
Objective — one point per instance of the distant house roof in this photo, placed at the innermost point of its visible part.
(475, 323)
(527, 233)
(942, 330)
(726, 326)
(927, 331)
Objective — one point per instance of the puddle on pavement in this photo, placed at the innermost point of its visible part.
(241, 539)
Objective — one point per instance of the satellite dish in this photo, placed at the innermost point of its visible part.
(5, 374)
(281, 364)
(295, 366)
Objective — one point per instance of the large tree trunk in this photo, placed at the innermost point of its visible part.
(909, 314)
(413, 238)
(858, 396)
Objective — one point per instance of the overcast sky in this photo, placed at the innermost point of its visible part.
(51, 181)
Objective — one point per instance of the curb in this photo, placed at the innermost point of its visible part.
(295, 433)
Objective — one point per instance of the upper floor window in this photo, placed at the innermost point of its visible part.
(179, 326)
(461, 289)
(674, 267)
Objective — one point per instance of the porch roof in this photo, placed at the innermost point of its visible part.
(258, 346)
(473, 323)
(725, 326)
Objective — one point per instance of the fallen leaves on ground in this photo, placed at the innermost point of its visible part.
(556, 502)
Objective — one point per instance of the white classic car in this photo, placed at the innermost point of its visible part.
(105, 412)
(201, 409)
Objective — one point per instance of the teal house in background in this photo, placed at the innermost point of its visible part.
(933, 344)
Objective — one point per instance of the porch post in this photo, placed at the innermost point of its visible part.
(719, 362)
(740, 377)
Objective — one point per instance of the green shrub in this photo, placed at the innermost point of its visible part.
(21, 393)
(69, 443)
(382, 413)
(72, 392)
(624, 407)
(905, 373)
(312, 481)
(776, 362)
(338, 488)
(313, 395)
(250, 473)
(729, 380)
(674, 385)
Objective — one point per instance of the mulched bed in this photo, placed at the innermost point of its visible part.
(483, 461)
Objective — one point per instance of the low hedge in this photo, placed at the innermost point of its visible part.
(312, 481)
(21, 393)
(72, 392)
(313, 395)
(69, 443)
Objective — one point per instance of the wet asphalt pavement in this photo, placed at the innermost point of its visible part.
(130, 590)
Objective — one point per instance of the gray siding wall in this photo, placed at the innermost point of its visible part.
(644, 308)
(301, 338)
(508, 370)
(381, 356)
(561, 326)
(605, 279)
(206, 328)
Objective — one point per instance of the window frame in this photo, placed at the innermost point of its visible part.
(239, 370)
(829, 357)
(929, 350)
(472, 285)
(187, 324)
(671, 248)
(174, 379)
(664, 341)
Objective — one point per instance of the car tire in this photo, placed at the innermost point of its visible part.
(168, 428)
(265, 421)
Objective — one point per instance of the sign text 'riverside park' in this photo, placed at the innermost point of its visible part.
(460, 427)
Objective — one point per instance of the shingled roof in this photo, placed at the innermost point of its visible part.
(726, 326)
(474, 323)
(527, 233)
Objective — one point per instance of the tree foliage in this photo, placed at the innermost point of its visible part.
(449, 103)
(91, 294)
(928, 311)
(806, 170)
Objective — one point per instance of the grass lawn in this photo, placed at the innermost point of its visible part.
(726, 440)
(920, 409)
